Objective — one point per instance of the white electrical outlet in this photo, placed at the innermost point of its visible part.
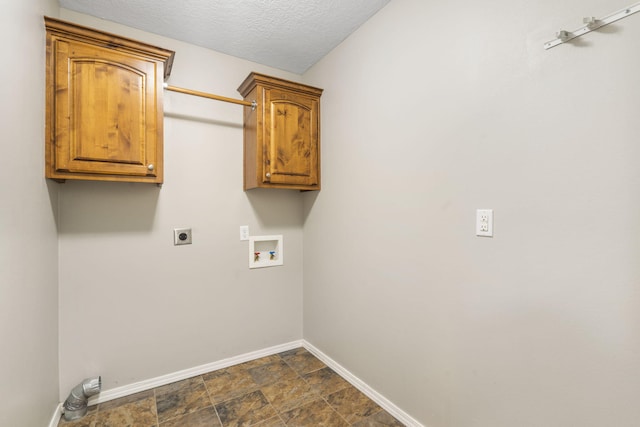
(484, 222)
(244, 232)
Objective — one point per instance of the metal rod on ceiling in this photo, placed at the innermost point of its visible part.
(252, 104)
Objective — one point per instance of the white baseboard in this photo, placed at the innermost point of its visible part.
(114, 393)
(149, 384)
(385, 403)
(55, 418)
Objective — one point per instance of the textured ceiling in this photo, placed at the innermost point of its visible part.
(291, 35)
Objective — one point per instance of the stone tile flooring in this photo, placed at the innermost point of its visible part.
(292, 388)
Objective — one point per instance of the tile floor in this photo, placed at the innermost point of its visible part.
(292, 388)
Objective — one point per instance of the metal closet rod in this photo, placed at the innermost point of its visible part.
(252, 104)
(591, 24)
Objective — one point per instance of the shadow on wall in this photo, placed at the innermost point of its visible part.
(276, 207)
(106, 207)
(53, 190)
(309, 198)
(206, 120)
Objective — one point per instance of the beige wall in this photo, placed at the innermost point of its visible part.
(430, 111)
(28, 246)
(132, 305)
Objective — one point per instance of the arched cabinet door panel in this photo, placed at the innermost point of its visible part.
(281, 135)
(104, 106)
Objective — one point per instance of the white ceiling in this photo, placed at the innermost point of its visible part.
(291, 35)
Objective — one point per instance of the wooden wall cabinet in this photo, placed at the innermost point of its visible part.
(104, 109)
(282, 134)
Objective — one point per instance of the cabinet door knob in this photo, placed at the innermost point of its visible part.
(150, 167)
(268, 174)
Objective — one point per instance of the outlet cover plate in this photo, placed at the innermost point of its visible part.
(484, 222)
(182, 236)
(244, 232)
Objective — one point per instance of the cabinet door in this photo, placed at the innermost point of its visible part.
(291, 145)
(105, 104)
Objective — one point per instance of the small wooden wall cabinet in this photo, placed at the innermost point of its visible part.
(104, 110)
(282, 134)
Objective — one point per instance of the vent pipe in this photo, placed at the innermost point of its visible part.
(75, 406)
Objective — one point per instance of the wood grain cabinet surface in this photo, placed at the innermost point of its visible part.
(282, 134)
(104, 111)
